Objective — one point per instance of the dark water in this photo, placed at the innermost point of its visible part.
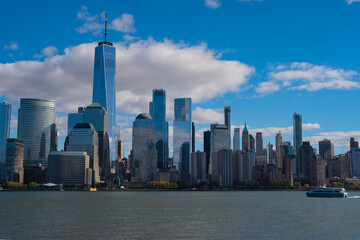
(177, 215)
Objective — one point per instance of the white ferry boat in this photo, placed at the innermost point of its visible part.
(328, 192)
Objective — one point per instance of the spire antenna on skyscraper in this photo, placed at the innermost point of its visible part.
(105, 23)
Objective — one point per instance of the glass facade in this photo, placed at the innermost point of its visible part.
(182, 136)
(297, 135)
(104, 87)
(144, 161)
(5, 117)
(73, 119)
(236, 139)
(98, 117)
(157, 111)
(36, 127)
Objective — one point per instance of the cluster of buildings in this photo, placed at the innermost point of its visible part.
(93, 151)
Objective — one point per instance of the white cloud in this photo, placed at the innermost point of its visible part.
(95, 23)
(213, 4)
(309, 77)
(272, 131)
(351, 1)
(207, 115)
(340, 139)
(47, 52)
(125, 23)
(183, 70)
(12, 46)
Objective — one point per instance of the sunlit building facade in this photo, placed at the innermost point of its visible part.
(36, 127)
(157, 109)
(182, 136)
(236, 139)
(297, 136)
(104, 85)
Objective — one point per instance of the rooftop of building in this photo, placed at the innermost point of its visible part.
(144, 116)
(221, 127)
(84, 125)
(95, 105)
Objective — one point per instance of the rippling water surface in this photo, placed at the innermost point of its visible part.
(177, 215)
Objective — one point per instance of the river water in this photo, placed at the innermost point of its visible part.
(177, 215)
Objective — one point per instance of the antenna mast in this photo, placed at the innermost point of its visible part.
(105, 23)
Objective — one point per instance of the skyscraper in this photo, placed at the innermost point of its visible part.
(36, 127)
(227, 119)
(144, 154)
(74, 118)
(278, 142)
(269, 154)
(182, 136)
(207, 147)
(13, 169)
(252, 143)
(98, 117)
(297, 135)
(85, 138)
(193, 137)
(326, 149)
(5, 117)
(245, 139)
(259, 144)
(353, 143)
(104, 86)
(236, 139)
(158, 113)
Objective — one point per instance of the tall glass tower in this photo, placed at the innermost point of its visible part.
(36, 127)
(5, 117)
(182, 136)
(297, 135)
(157, 111)
(104, 86)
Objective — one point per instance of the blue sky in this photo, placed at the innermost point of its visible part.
(266, 59)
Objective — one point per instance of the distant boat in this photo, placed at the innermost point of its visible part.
(328, 192)
(93, 189)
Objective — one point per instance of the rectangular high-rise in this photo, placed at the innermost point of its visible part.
(5, 117)
(326, 149)
(297, 136)
(207, 148)
(158, 113)
(182, 136)
(259, 144)
(104, 85)
(236, 139)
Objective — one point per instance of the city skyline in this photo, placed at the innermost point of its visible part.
(254, 88)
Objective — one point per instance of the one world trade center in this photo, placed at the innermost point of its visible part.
(104, 86)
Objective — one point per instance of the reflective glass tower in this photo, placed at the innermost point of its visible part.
(182, 136)
(158, 114)
(5, 116)
(297, 135)
(144, 161)
(236, 139)
(104, 86)
(36, 127)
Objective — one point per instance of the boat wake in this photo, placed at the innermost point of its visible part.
(354, 197)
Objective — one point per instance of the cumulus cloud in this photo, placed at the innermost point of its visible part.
(340, 139)
(272, 131)
(181, 69)
(207, 115)
(351, 1)
(95, 23)
(213, 4)
(125, 23)
(47, 52)
(12, 46)
(309, 77)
